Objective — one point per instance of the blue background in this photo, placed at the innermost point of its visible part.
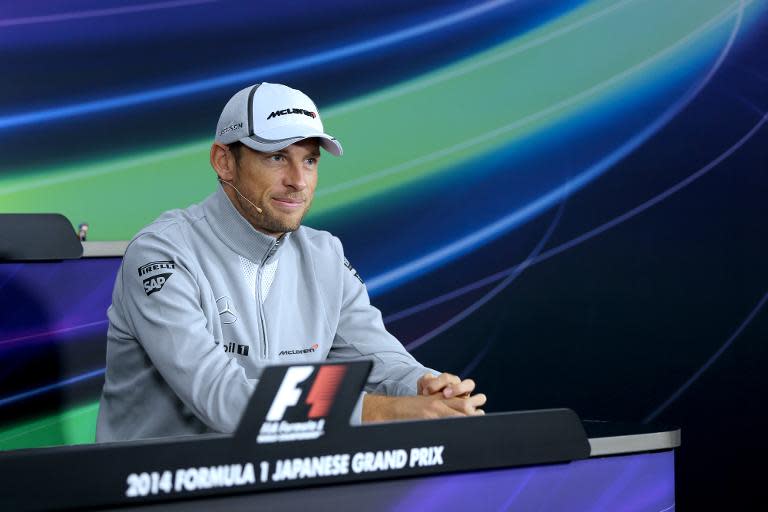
(611, 260)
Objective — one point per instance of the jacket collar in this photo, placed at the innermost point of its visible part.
(237, 233)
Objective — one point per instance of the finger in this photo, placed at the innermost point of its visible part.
(442, 409)
(462, 389)
(466, 406)
(440, 382)
(461, 405)
(435, 384)
(421, 383)
(477, 400)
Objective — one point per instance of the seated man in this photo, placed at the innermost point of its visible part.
(209, 295)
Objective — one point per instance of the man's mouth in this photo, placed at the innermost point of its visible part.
(288, 203)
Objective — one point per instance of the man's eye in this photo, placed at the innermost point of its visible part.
(311, 161)
(276, 158)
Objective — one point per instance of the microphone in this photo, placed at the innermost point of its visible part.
(241, 195)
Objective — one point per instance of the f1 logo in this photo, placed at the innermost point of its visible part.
(320, 396)
(289, 393)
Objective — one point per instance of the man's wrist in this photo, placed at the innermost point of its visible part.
(375, 408)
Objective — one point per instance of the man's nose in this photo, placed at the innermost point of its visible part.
(294, 176)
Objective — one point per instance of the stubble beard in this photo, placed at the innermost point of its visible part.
(266, 221)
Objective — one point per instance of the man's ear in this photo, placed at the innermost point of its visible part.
(223, 161)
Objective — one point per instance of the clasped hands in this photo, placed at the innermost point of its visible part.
(438, 396)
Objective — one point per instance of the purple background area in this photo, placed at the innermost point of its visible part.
(642, 482)
(42, 300)
(633, 483)
(52, 334)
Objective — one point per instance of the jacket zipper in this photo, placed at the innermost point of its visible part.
(262, 320)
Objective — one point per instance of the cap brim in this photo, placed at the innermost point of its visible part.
(257, 143)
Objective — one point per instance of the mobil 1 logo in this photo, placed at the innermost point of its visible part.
(155, 274)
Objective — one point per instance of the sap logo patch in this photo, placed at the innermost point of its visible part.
(155, 283)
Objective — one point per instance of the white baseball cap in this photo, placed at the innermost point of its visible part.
(269, 117)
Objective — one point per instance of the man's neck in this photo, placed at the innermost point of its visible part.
(232, 195)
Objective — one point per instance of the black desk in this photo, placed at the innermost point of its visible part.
(631, 468)
(524, 460)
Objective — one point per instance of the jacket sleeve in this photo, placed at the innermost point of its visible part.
(361, 334)
(162, 302)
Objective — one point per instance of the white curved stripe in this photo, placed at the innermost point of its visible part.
(100, 170)
(98, 13)
(472, 65)
(536, 116)
(204, 144)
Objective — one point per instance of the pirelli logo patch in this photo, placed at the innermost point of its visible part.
(154, 275)
(154, 266)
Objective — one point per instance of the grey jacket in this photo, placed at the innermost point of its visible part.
(203, 301)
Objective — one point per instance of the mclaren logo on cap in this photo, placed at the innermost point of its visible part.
(285, 111)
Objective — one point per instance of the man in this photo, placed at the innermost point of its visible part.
(209, 295)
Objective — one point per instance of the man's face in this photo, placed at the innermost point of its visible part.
(282, 184)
